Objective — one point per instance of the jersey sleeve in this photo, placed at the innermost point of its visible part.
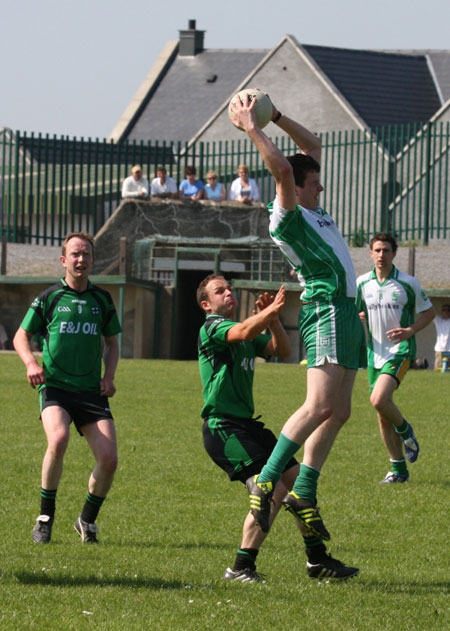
(111, 325)
(217, 331)
(34, 319)
(422, 301)
(359, 295)
(260, 342)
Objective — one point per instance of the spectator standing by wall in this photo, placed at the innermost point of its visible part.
(214, 189)
(191, 187)
(136, 186)
(442, 324)
(163, 186)
(244, 188)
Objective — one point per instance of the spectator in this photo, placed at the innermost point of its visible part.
(442, 324)
(243, 188)
(135, 185)
(163, 186)
(214, 190)
(3, 337)
(191, 187)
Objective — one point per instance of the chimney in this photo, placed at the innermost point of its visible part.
(191, 41)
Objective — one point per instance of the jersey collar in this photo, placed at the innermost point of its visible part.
(393, 274)
(66, 286)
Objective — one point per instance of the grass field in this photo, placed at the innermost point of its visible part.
(171, 523)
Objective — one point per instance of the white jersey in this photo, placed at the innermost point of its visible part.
(313, 245)
(390, 304)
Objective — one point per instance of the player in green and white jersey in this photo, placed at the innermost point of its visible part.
(388, 300)
(74, 317)
(328, 322)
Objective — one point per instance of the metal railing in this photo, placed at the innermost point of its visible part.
(390, 178)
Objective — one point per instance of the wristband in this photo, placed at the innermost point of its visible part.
(277, 117)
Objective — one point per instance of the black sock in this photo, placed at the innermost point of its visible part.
(245, 558)
(48, 502)
(316, 553)
(91, 507)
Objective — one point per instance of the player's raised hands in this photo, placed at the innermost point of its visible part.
(267, 300)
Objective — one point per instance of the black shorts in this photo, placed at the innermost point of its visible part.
(241, 447)
(83, 407)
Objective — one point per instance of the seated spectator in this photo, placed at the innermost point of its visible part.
(243, 188)
(3, 337)
(162, 185)
(214, 189)
(191, 187)
(136, 185)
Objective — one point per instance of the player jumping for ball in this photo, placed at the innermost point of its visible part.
(329, 325)
(73, 315)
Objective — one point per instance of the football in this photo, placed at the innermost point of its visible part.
(263, 107)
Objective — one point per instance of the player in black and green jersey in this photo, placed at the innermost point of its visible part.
(235, 441)
(73, 316)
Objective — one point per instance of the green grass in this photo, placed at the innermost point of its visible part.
(172, 521)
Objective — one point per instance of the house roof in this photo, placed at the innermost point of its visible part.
(381, 88)
(384, 88)
(192, 90)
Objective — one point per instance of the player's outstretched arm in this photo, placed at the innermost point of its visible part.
(272, 156)
(257, 323)
(308, 142)
(21, 342)
(279, 346)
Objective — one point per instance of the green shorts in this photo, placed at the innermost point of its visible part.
(333, 332)
(396, 369)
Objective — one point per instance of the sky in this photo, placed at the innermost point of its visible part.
(70, 67)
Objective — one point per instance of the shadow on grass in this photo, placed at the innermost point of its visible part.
(174, 546)
(60, 580)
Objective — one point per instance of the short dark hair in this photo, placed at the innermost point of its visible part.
(190, 170)
(301, 166)
(384, 236)
(201, 289)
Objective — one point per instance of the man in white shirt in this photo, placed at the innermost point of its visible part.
(387, 300)
(136, 185)
(442, 324)
(163, 186)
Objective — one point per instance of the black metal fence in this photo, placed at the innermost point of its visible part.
(390, 178)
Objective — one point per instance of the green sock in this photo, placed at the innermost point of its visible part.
(403, 431)
(399, 467)
(306, 483)
(280, 456)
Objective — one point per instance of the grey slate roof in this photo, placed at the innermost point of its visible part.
(384, 88)
(185, 100)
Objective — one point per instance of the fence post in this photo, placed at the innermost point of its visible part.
(412, 261)
(16, 186)
(3, 256)
(426, 228)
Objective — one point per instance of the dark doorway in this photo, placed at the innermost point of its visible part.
(188, 315)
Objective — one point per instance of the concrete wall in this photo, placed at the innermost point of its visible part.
(138, 337)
